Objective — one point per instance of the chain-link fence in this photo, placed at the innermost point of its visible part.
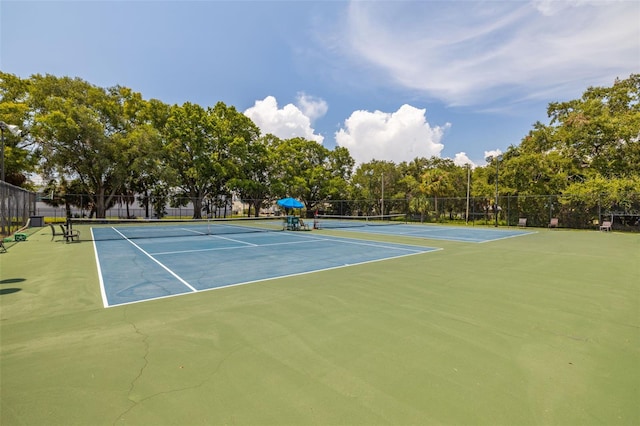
(58, 207)
(579, 212)
(17, 205)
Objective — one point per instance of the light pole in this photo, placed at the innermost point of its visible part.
(468, 191)
(382, 198)
(498, 158)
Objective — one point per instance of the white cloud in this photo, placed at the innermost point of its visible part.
(462, 160)
(492, 153)
(286, 123)
(551, 7)
(471, 52)
(399, 136)
(311, 106)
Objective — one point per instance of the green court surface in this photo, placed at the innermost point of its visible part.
(538, 330)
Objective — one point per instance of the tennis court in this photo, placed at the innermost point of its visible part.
(448, 233)
(540, 330)
(387, 225)
(139, 262)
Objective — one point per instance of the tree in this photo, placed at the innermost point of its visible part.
(372, 182)
(420, 203)
(411, 173)
(205, 148)
(601, 130)
(435, 183)
(310, 172)
(599, 196)
(148, 177)
(83, 134)
(21, 155)
(340, 165)
(188, 147)
(256, 181)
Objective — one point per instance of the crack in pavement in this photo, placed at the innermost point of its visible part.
(140, 372)
(120, 417)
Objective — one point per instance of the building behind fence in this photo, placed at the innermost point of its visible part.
(128, 207)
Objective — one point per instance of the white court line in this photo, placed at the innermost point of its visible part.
(105, 302)
(304, 239)
(429, 235)
(351, 240)
(284, 276)
(235, 248)
(509, 236)
(219, 236)
(423, 233)
(323, 269)
(307, 239)
(381, 245)
(157, 261)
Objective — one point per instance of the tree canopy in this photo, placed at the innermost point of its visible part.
(111, 141)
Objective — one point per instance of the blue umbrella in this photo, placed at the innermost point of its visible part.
(290, 203)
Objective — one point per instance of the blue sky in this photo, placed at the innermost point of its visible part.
(390, 80)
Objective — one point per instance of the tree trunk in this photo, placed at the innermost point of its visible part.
(146, 203)
(256, 206)
(197, 207)
(100, 203)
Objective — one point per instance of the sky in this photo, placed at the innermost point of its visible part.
(389, 80)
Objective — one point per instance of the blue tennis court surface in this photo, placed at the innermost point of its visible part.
(438, 232)
(134, 270)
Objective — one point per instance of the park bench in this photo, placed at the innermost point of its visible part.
(606, 226)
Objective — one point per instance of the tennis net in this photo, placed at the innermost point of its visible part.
(118, 229)
(337, 221)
